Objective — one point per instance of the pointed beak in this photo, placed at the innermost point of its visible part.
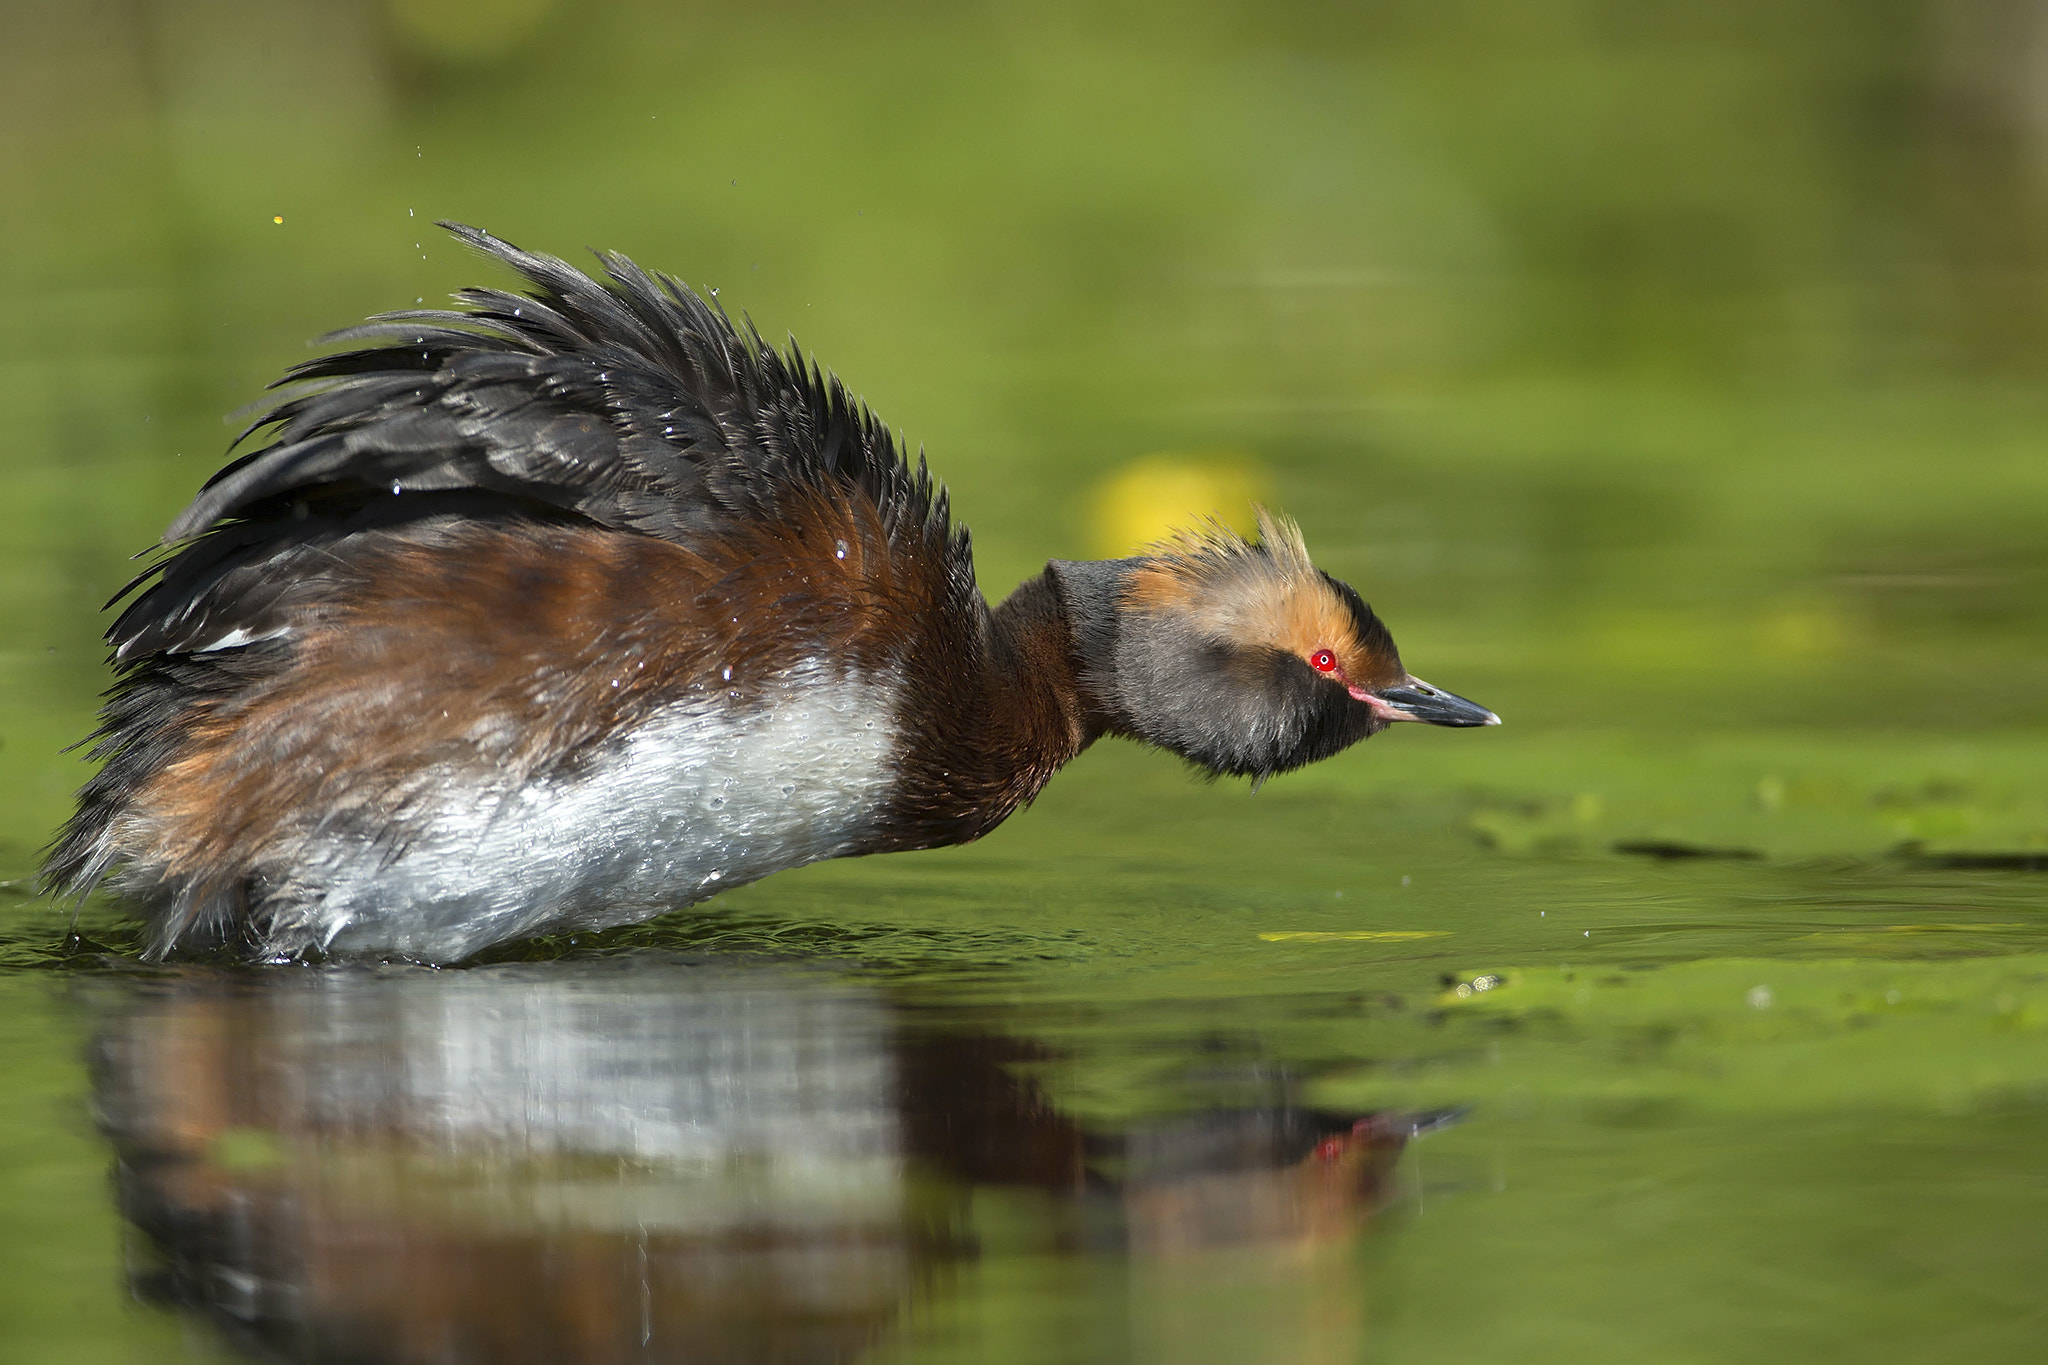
(1414, 699)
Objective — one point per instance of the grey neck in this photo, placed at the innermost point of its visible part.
(1090, 593)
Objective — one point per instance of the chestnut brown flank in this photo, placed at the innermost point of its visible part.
(513, 654)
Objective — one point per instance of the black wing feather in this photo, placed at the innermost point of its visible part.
(628, 401)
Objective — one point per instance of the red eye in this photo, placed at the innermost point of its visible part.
(1323, 661)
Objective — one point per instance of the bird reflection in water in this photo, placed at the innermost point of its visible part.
(637, 1160)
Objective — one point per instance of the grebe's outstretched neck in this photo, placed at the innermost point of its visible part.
(568, 608)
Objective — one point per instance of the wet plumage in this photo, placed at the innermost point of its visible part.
(566, 608)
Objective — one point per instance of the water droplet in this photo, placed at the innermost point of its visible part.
(726, 673)
(789, 789)
(396, 489)
(839, 549)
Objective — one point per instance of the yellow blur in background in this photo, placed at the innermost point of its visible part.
(1149, 499)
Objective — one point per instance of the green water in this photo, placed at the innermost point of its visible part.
(1667, 376)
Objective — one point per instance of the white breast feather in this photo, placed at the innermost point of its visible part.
(712, 793)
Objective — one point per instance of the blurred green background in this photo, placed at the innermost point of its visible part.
(1667, 375)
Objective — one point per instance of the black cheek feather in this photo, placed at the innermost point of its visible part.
(1318, 717)
(1245, 713)
(1335, 722)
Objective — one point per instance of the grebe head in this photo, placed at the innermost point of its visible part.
(1242, 656)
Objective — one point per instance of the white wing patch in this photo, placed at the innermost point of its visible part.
(238, 637)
